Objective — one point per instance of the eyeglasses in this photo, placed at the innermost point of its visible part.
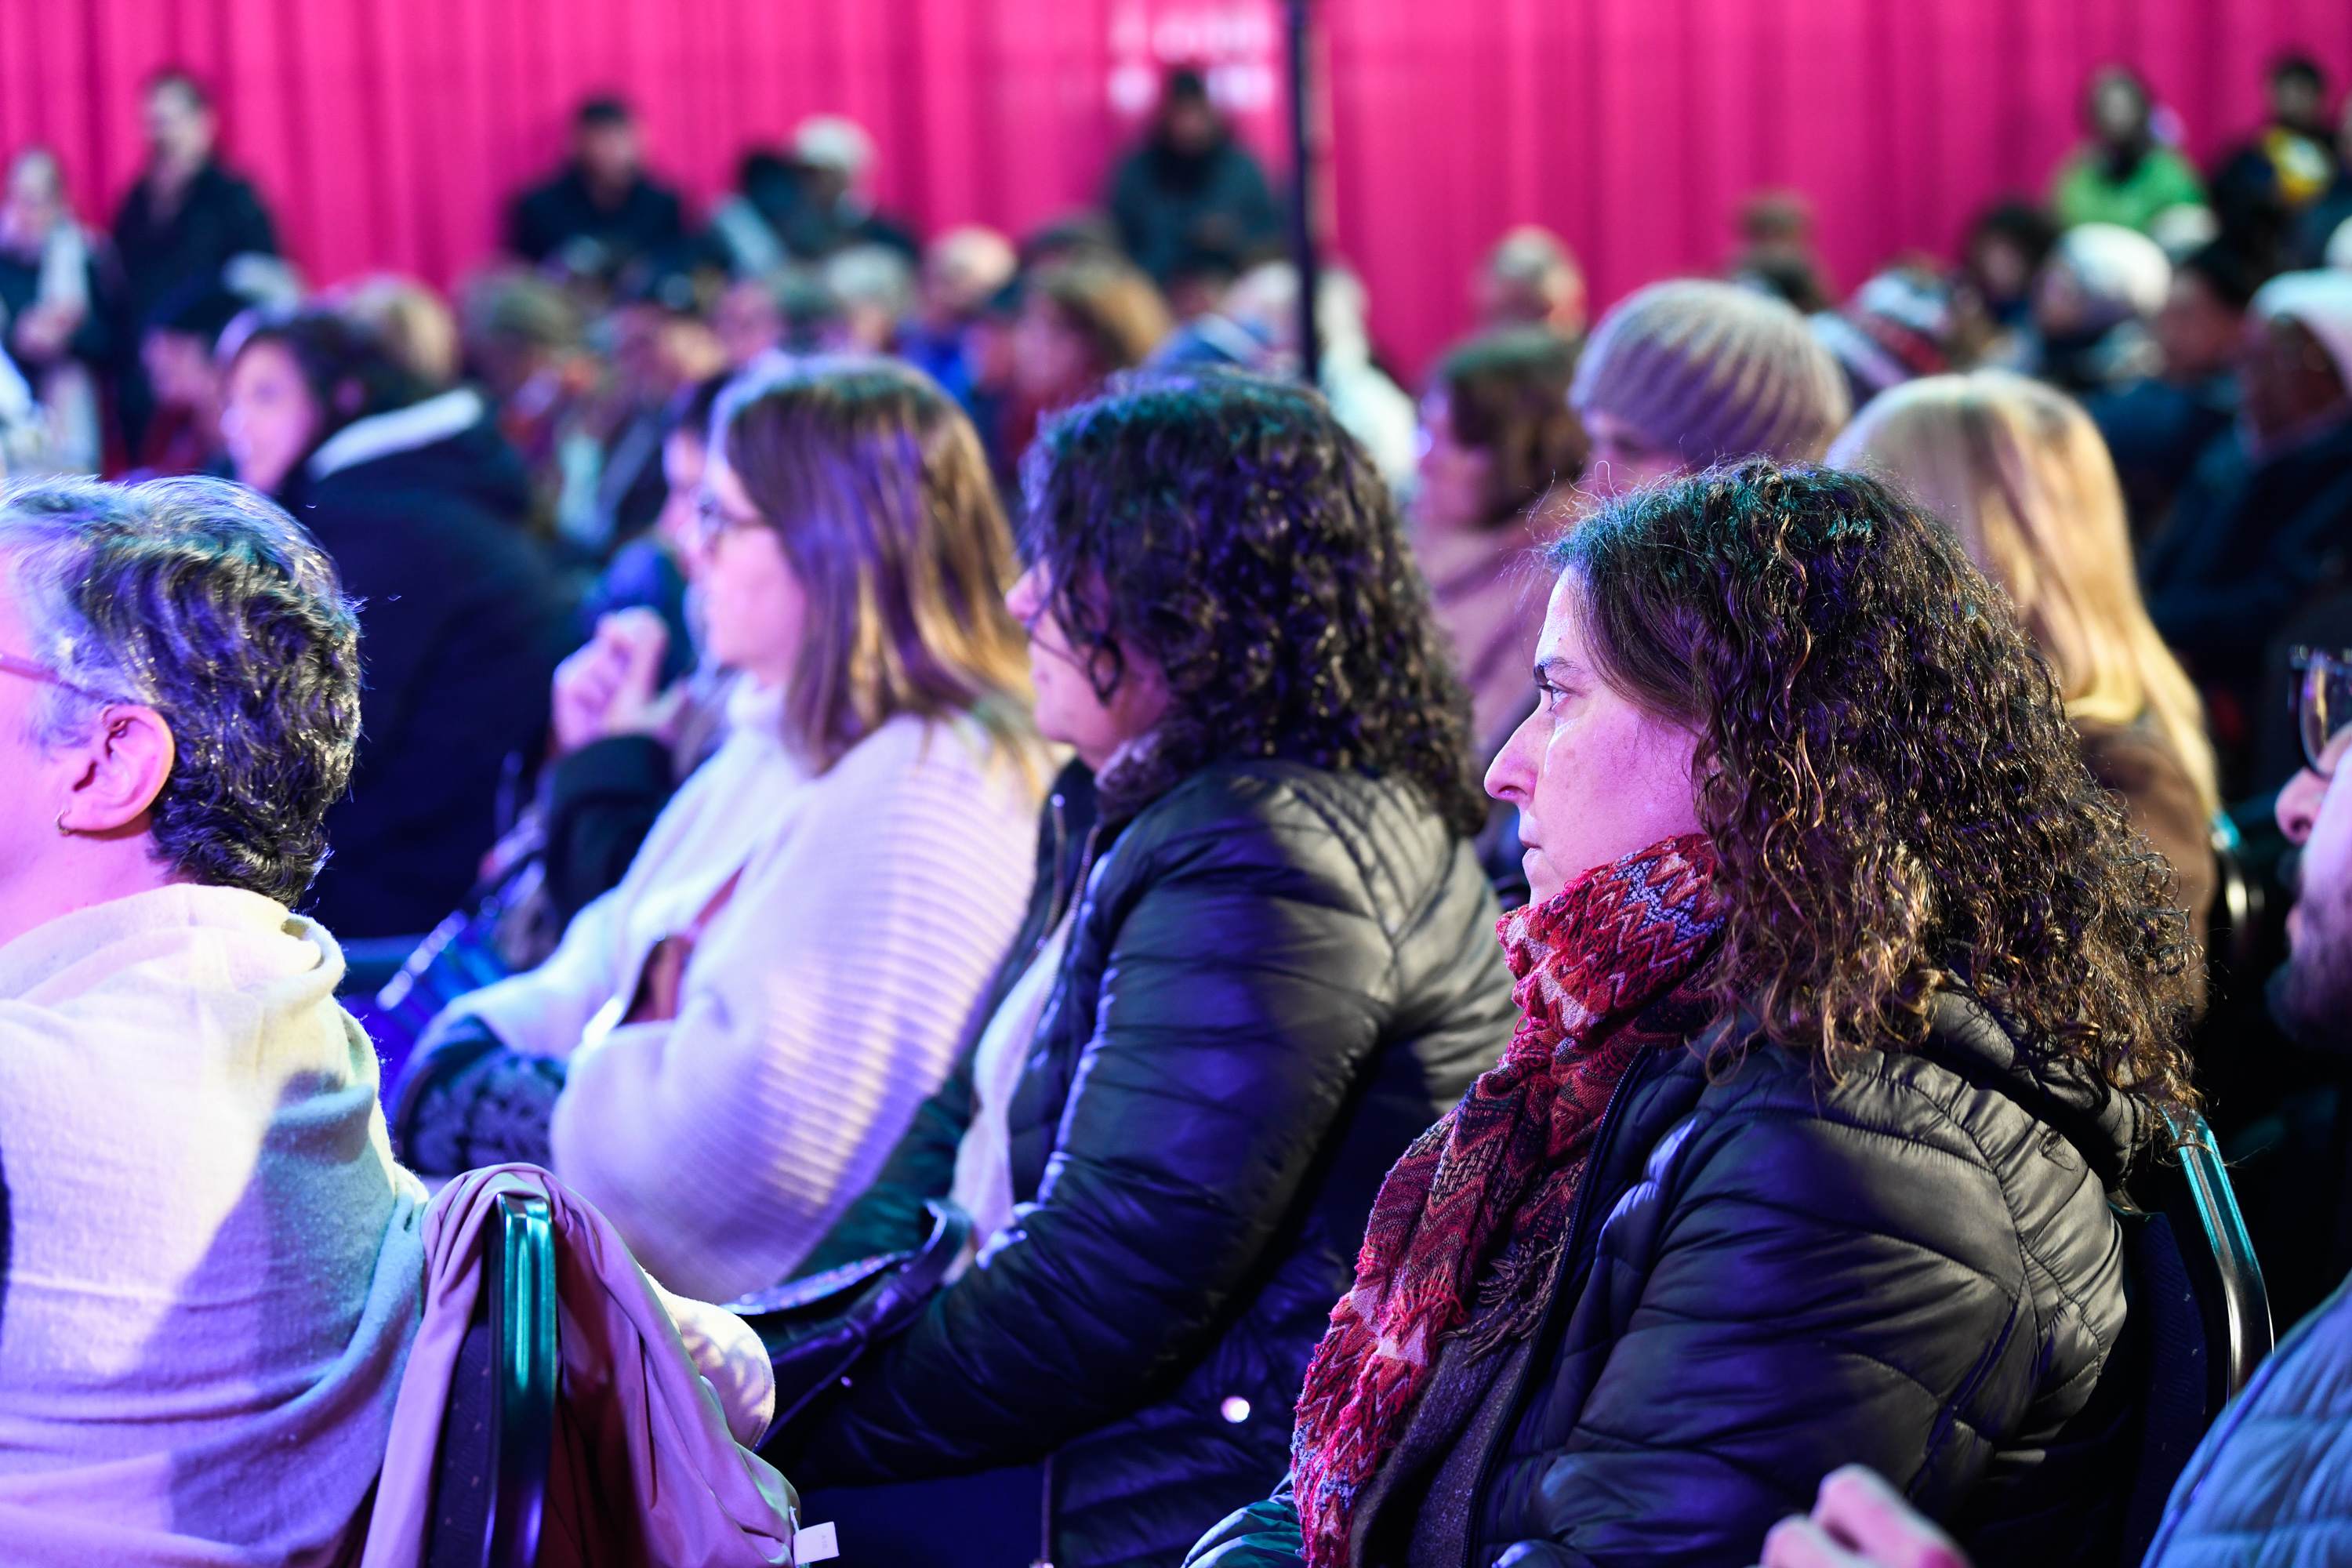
(2322, 702)
(26, 669)
(713, 523)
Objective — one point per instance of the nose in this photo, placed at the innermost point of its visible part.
(2298, 806)
(1024, 597)
(1512, 775)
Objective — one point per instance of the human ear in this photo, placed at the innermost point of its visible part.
(126, 760)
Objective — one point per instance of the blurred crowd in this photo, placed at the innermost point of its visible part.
(680, 554)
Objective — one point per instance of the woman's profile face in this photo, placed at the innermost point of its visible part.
(753, 606)
(1454, 478)
(1595, 778)
(1069, 708)
(271, 420)
(1622, 457)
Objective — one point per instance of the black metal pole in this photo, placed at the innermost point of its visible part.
(1302, 189)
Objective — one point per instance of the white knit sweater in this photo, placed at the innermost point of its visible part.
(824, 1003)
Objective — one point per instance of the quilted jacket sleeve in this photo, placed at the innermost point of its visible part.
(1246, 982)
(1792, 1286)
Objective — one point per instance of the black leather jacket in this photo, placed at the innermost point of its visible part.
(1914, 1268)
(1279, 977)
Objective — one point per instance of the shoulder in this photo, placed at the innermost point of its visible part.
(951, 764)
(1312, 832)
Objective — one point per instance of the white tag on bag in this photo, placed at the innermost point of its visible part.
(814, 1543)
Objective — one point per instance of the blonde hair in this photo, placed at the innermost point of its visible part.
(2021, 474)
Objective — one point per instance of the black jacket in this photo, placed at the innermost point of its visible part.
(1914, 1268)
(2247, 544)
(648, 223)
(1172, 208)
(462, 621)
(1279, 977)
(219, 215)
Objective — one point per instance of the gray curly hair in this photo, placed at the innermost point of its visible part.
(206, 601)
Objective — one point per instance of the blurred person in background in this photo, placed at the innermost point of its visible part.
(2123, 174)
(602, 212)
(185, 218)
(659, 349)
(2019, 473)
(1080, 321)
(1530, 279)
(1368, 405)
(1256, 964)
(724, 1047)
(832, 158)
(1497, 440)
(421, 504)
(409, 318)
(1899, 325)
(2094, 301)
(51, 305)
(2156, 426)
(2331, 210)
(2298, 147)
(525, 339)
(183, 372)
(1191, 186)
(749, 318)
(1688, 374)
(2265, 516)
(1776, 253)
(1992, 295)
(963, 270)
(873, 286)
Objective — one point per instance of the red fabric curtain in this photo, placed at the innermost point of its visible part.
(387, 133)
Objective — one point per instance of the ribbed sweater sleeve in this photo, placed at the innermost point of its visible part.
(821, 1008)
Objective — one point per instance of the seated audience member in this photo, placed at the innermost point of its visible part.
(2004, 252)
(420, 501)
(832, 201)
(1530, 279)
(602, 212)
(2265, 516)
(1191, 186)
(1898, 326)
(1497, 439)
(2123, 174)
(1777, 256)
(1369, 406)
(2021, 474)
(660, 348)
(725, 1046)
(1260, 973)
(1688, 374)
(182, 433)
(873, 286)
(1837, 970)
(51, 288)
(409, 318)
(963, 270)
(1080, 321)
(2319, 226)
(2093, 304)
(2155, 427)
(211, 1263)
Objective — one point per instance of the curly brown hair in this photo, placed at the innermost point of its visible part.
(1226, 528)
(1888, 775)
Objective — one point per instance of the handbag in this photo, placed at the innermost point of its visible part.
(815, 1329)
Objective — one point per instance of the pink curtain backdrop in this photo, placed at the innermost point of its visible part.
(386, 133)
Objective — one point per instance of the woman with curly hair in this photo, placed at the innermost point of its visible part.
(1258, 965)
(1847, 998)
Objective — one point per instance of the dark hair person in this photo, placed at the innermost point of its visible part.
(420, 503)
(1847, 996)
(1255, 967)
(1498, 437)
(724, 1048)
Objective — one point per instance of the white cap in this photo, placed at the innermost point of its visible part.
(831, 142)
(2320, 301)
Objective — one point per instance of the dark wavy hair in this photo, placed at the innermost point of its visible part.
(204, 600)
(1225, 528)
(1888, 775)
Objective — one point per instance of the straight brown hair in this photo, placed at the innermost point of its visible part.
(876, 484)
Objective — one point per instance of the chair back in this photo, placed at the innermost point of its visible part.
(490, 1482)
(2205, 1324)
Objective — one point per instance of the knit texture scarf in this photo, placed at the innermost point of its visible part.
(1505, 1163)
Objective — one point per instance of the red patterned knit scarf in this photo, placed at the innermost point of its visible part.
(1505, 1162)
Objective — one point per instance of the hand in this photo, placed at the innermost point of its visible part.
(42, 329)
(608, 687)
(1860, 1521)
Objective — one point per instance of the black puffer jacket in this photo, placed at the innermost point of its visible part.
(1279, 977)
(1914, 1268)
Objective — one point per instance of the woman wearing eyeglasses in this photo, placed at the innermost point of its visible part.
(723, 1047)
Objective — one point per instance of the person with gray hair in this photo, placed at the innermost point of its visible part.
(212, 1263)
(1688, 374)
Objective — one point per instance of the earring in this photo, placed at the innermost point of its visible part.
(63, 831)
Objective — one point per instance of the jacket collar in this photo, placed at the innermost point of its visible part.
(436, 419)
